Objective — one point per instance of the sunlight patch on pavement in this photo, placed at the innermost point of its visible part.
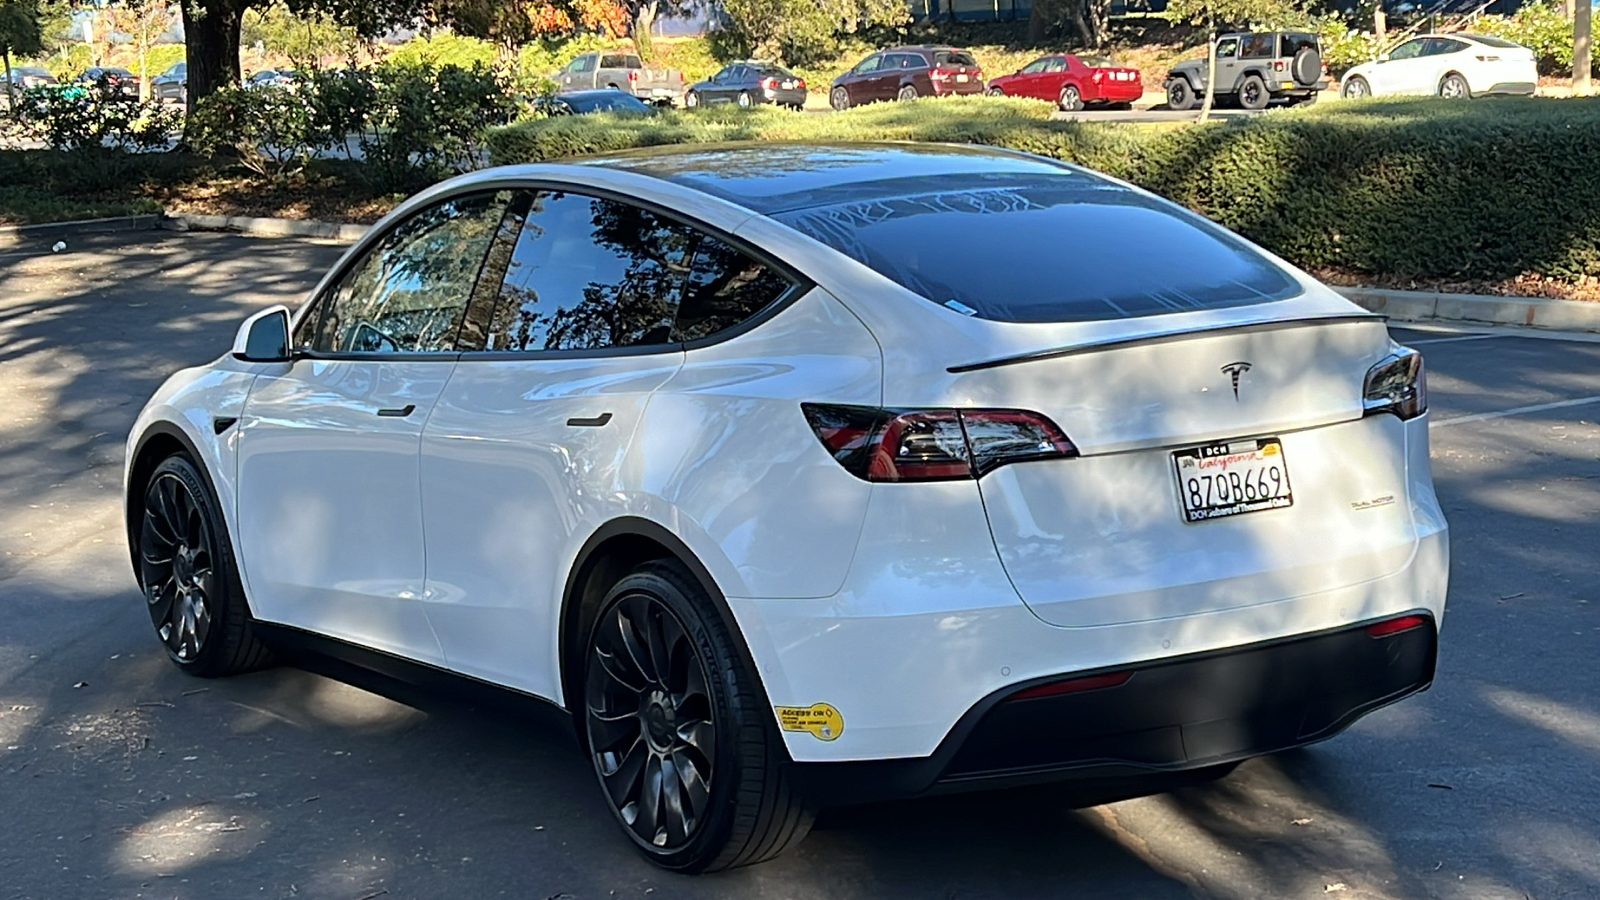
(1574, 725)
(184, 837)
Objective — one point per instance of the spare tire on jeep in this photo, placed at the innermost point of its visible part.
(1307, 66)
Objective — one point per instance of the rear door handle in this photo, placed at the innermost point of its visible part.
(398, 412)
(595, 422)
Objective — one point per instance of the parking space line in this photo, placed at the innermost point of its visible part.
(1462, 337)
(1537, 407)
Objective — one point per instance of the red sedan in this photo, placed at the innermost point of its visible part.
(1071, 83)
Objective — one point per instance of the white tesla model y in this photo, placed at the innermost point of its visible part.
(806, 474)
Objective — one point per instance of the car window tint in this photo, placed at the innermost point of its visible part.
(612, 62)
(410, 290)
(1227, 48)
(589, 273)
(1499, 43)
(870, 64)
(1035, 67)
(1057, 64)
(583, 64)
(953, 58)
(1008, 264)
(1256, 46)
(725, 288)
(1410, 49)
(1441, 46)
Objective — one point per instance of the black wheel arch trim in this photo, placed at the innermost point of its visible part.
(678, 551)
(133, 497)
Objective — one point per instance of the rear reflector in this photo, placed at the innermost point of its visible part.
(1072, 686)
(1394, 626)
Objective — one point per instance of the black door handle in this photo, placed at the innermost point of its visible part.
(595, 422)
(398, 412)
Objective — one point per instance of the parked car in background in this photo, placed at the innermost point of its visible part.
(112, 75)
(568, 103)
(624, 72)
(272, 78)
(906, 73)
(24, 77)
(172, 85)
(1071, 82)
(1254, 69)
(1458, 66)
(748, 83)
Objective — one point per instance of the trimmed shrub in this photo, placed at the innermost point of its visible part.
(94, 118)
(269, 129)
(1417, 188)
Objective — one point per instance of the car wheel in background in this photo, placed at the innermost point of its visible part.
(691, 100)
(1356, 88)
(679, 733)
(1253, 93)
(191, 584)
(839, 99)
(745, 102)
(907, 92)
(1454, 87)
(995, 92)
(1070, 100)
(1180, 96)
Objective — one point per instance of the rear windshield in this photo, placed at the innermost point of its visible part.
(1500, 43)
(953, 58)
(1025, 248)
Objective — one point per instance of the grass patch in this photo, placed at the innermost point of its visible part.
(1418, 188)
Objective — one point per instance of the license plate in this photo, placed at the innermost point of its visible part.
(1233, 478)
(787, 85)
(961, 77)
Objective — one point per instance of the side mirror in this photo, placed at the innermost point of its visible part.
(264, 337)
(1383, 57)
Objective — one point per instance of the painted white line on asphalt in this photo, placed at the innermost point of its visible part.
(1464, 337)
(1537, 407)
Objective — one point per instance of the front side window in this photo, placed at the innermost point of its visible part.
(870, 64)
(408, 293)
(1036, 66)
(1226, 49)
(588, 273)
(583, 64)
(1410, 49)
(1257, 46)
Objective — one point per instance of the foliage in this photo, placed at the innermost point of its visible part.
(270, 130)
(429, 123)
(307, 40)
(1542, 28)
(1343, 47)
(444, 49)
(1418, 188)
(801, 32)
(20, 31)
(95, 118)
(68, 61)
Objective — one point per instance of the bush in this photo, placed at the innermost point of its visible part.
(1415, 188)
(444, 50)
(97, 117)
(269, 129)
(1541, 28)
(427, 123)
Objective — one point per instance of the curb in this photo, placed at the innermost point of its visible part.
(1526, 312)
(12, 235)
(263, 227)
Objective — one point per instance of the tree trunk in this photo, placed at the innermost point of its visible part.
(1039, 21)
(1085, 32)
(1099, 16)
(1582, 55)
(643, 19)
(1211, 69)
(11, 89)
(211, 40)
(1379, 22)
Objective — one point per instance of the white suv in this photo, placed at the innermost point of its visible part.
(801, 474)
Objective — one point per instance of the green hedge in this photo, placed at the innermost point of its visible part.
(1415, 188)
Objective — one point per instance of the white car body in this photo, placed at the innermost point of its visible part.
(1420, 65)
(452, 535)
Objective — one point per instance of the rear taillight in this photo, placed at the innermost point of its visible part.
(1397, 385)
(633, 75)
(680, 78)
(894, 445)
(769, 84)
(1277, 65)
(800, 84)
(1488, 59)
(1395, 626)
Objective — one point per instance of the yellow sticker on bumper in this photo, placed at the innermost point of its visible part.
(820, 719)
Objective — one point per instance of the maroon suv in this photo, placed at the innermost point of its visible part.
(906, 73)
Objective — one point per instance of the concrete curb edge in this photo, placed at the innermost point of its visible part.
(264, 227)
(1474, 309)
(12, 235)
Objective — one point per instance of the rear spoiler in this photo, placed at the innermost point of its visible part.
(1164, 337)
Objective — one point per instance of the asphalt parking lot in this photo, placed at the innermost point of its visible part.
(121, 777)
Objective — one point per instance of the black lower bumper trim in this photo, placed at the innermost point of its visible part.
(1171, 715)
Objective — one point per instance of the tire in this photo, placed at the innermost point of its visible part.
(643, 724)
(1180, 95)
(691, 100)
(1355, 88)
(1253, 93)
(744, 100)
(1306, 67)
(191, 582)
(995, 92)
(1454, 87)
(1070, 100)
(907, 92)
(839, 99)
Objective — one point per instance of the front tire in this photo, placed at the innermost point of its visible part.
(839, 99)
(907, 92)
(1356, 88)
(995, 92)
(691, 100)
(1180, 96)
(191, 582)
(745, 102)
(1070, 100)
(679, 733)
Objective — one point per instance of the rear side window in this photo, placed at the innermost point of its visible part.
(1025, 248)
(953, 58)
(1256, 46)
(725, 288)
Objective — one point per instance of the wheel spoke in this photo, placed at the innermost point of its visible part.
(647, 825)
(656, 646)
(622, 781)
(620, 672)
(202, 619)
(637, 654)
(161, 597)
(608, 731)
(174, 627)
(699, 735)
(159, 517)
(677, 821)
(695, 789)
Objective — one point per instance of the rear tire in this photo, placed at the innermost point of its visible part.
(1180, 96)
(1356, 88)
(1253, 93)
(995, 92)
(1454, 87)
(744, 101)
(191, 582)
(679, 732)
(1070, 99)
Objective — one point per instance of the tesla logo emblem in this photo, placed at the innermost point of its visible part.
(1234, 370)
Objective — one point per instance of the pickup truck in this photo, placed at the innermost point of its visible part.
(624, 72)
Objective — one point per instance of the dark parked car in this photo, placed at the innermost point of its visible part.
(568, 103)
(273, 78)
(23, 77)
(171, 85)
(748, 83)
(112, 75)
(906, 73)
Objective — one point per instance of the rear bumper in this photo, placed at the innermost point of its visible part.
(1170, 715)
(950, 87)
(1120, 92)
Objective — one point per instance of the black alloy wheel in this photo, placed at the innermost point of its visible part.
(1253, 93)
(652, 732)
(680, 735)
(191, 585)
(1180, 97)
